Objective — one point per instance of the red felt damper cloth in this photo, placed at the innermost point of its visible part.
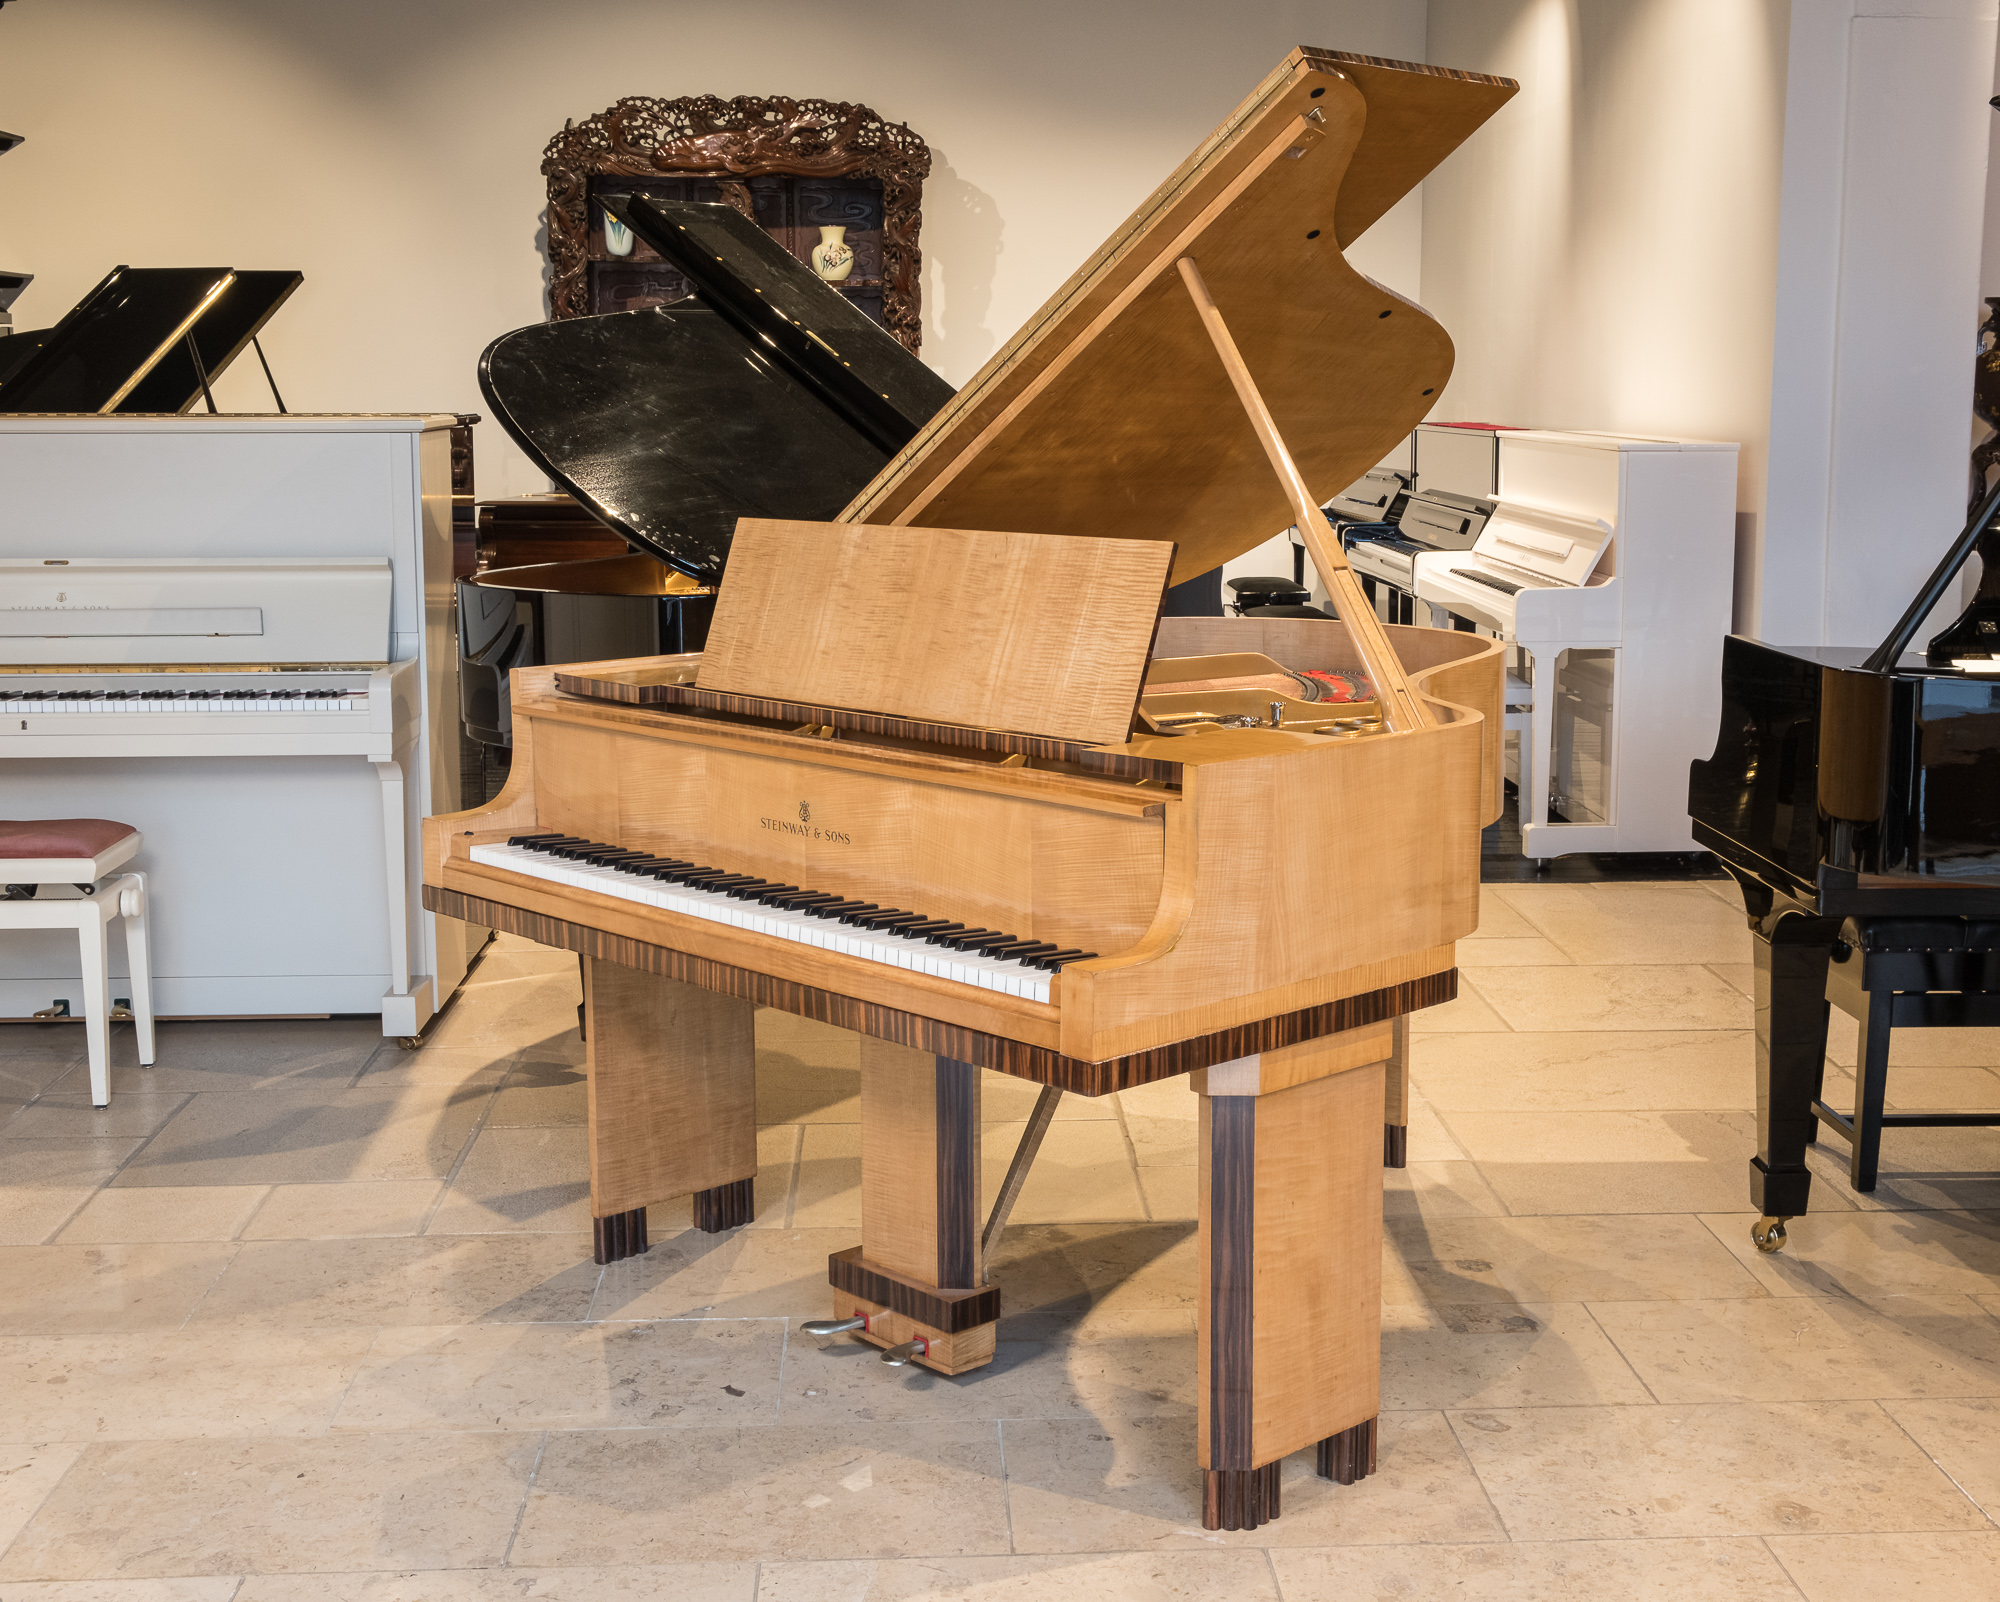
(60, 837)
(1340, 686)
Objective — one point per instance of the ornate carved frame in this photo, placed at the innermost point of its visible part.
(747, 137)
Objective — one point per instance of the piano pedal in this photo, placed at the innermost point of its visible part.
(53, 1011)
(1768, 1234)
(121, 1009)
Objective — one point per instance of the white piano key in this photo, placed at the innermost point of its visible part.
(986, 973)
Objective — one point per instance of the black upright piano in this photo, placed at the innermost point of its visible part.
(1854, 794)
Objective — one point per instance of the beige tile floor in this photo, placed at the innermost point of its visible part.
(305, 1318)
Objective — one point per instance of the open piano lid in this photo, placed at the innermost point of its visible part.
(768, 395)
(123, 347)
(1110, 413)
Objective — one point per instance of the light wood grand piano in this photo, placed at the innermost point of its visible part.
(944, 776)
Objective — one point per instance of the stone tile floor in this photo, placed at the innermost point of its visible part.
(305, 1318)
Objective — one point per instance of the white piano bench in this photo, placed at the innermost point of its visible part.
(80, 854)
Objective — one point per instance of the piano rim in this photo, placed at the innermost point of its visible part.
(1039, 1064)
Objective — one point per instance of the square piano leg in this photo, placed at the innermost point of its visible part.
(917, 1275)
(1290, 1308)
(672, 1073)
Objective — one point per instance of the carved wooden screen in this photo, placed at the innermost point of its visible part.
(788, 165)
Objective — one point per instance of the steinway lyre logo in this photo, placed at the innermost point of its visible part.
(805, 812)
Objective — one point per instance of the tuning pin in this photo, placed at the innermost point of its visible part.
(834, 1326)
(1277, 713)
(897, 1356)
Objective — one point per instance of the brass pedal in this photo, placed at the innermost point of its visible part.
(53, 1011)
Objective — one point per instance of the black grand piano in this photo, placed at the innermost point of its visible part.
(1855, 797)
(764, 394)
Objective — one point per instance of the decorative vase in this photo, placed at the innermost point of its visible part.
(617, 237)
(833, 257)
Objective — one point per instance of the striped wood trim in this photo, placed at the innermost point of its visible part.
(957, 1126)
(1232, 1225)
(1036, 1063)
(950, 1312)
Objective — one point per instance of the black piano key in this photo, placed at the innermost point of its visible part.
(804, 900)
(986, 943)
(931, 928)
(966, 939)
(750, 889)
(888, 919)
(1063, 957)
(841, 909)
(773, 895)
(1048, 959)
(1013, 948)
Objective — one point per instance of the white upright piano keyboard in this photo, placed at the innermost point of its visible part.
(269, 657)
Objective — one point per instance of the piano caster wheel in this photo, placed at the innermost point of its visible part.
(1768, 1234)
(409, 1042)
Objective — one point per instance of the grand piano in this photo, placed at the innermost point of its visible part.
(943, 775)
(1854, 795)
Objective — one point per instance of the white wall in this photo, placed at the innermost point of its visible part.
(1885, 185)
(390, 149)
(1604, 251)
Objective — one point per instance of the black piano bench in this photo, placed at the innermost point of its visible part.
(1906, 973)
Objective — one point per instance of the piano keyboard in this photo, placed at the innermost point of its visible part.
(41, 701)
(988, 959)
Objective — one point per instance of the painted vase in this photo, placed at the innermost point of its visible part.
(833, 257)
(617, 237)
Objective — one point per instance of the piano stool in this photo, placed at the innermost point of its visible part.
(1913, 973)
(81, 852)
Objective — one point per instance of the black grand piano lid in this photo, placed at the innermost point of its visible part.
(671, 423)
(237, 316)
(95, 357)
(668, 426)
(741, 271)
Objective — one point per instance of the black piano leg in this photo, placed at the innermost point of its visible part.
(1871, 1089)
(1792, 951)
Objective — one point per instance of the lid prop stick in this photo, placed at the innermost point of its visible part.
(1402, 710)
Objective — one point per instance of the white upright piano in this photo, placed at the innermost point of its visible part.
(1609, 560)
(234, 633)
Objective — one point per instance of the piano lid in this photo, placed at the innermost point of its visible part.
(220, 333)
(761, 288)
(672, 422)
(669, 425)
(123, 347)
(112, 338)
(1110, 412)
